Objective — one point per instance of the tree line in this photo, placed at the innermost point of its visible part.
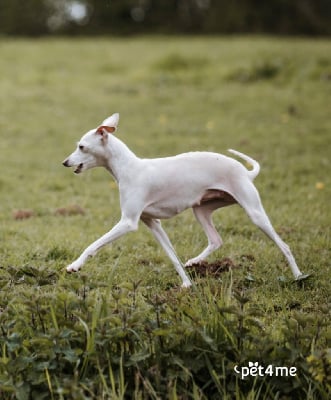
(122, 17)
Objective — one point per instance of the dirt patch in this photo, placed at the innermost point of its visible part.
(70, 210)
(23, 214)
(214, 269)
(59, 212)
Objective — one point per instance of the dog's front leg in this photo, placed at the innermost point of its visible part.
(160, 235)
(124, 226)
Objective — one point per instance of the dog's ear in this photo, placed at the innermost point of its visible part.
(110, 123)
(103, 130)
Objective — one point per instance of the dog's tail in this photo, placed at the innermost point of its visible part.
(256, 166)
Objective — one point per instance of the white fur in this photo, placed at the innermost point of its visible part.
(153, 189)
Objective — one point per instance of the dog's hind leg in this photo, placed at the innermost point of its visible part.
(249, 199)
(155, 226)
(203, 214)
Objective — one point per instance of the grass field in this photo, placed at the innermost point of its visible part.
(121, 328)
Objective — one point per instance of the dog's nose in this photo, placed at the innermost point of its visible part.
(66, 163)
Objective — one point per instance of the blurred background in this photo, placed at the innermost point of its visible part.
(127, 17)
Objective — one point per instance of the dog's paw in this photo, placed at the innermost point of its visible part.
(302, 277)
(186, 285)
(193, 261)
(72, 268)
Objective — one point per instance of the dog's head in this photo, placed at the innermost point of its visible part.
(92, 148)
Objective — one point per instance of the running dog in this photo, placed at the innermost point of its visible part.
(159, 188)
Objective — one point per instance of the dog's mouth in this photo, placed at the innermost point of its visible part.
(78, 168)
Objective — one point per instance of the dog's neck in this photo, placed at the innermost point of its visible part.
(121, 159)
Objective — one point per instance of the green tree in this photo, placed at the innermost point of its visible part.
(38, 17)
(21, 17)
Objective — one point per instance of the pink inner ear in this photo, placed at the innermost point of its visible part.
(109, 129)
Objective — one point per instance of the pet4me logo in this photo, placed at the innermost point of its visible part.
(254, 369)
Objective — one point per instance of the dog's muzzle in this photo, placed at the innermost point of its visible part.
(77, 170)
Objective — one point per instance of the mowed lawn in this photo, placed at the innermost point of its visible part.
(269, 98)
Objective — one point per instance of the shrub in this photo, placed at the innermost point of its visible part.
(144, 345)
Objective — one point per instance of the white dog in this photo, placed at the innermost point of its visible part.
(152, 189)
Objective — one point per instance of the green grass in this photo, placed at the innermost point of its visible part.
(120, 328)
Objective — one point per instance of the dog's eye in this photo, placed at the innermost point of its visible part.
(81, 147)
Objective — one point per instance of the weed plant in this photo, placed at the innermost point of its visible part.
(122, 328)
